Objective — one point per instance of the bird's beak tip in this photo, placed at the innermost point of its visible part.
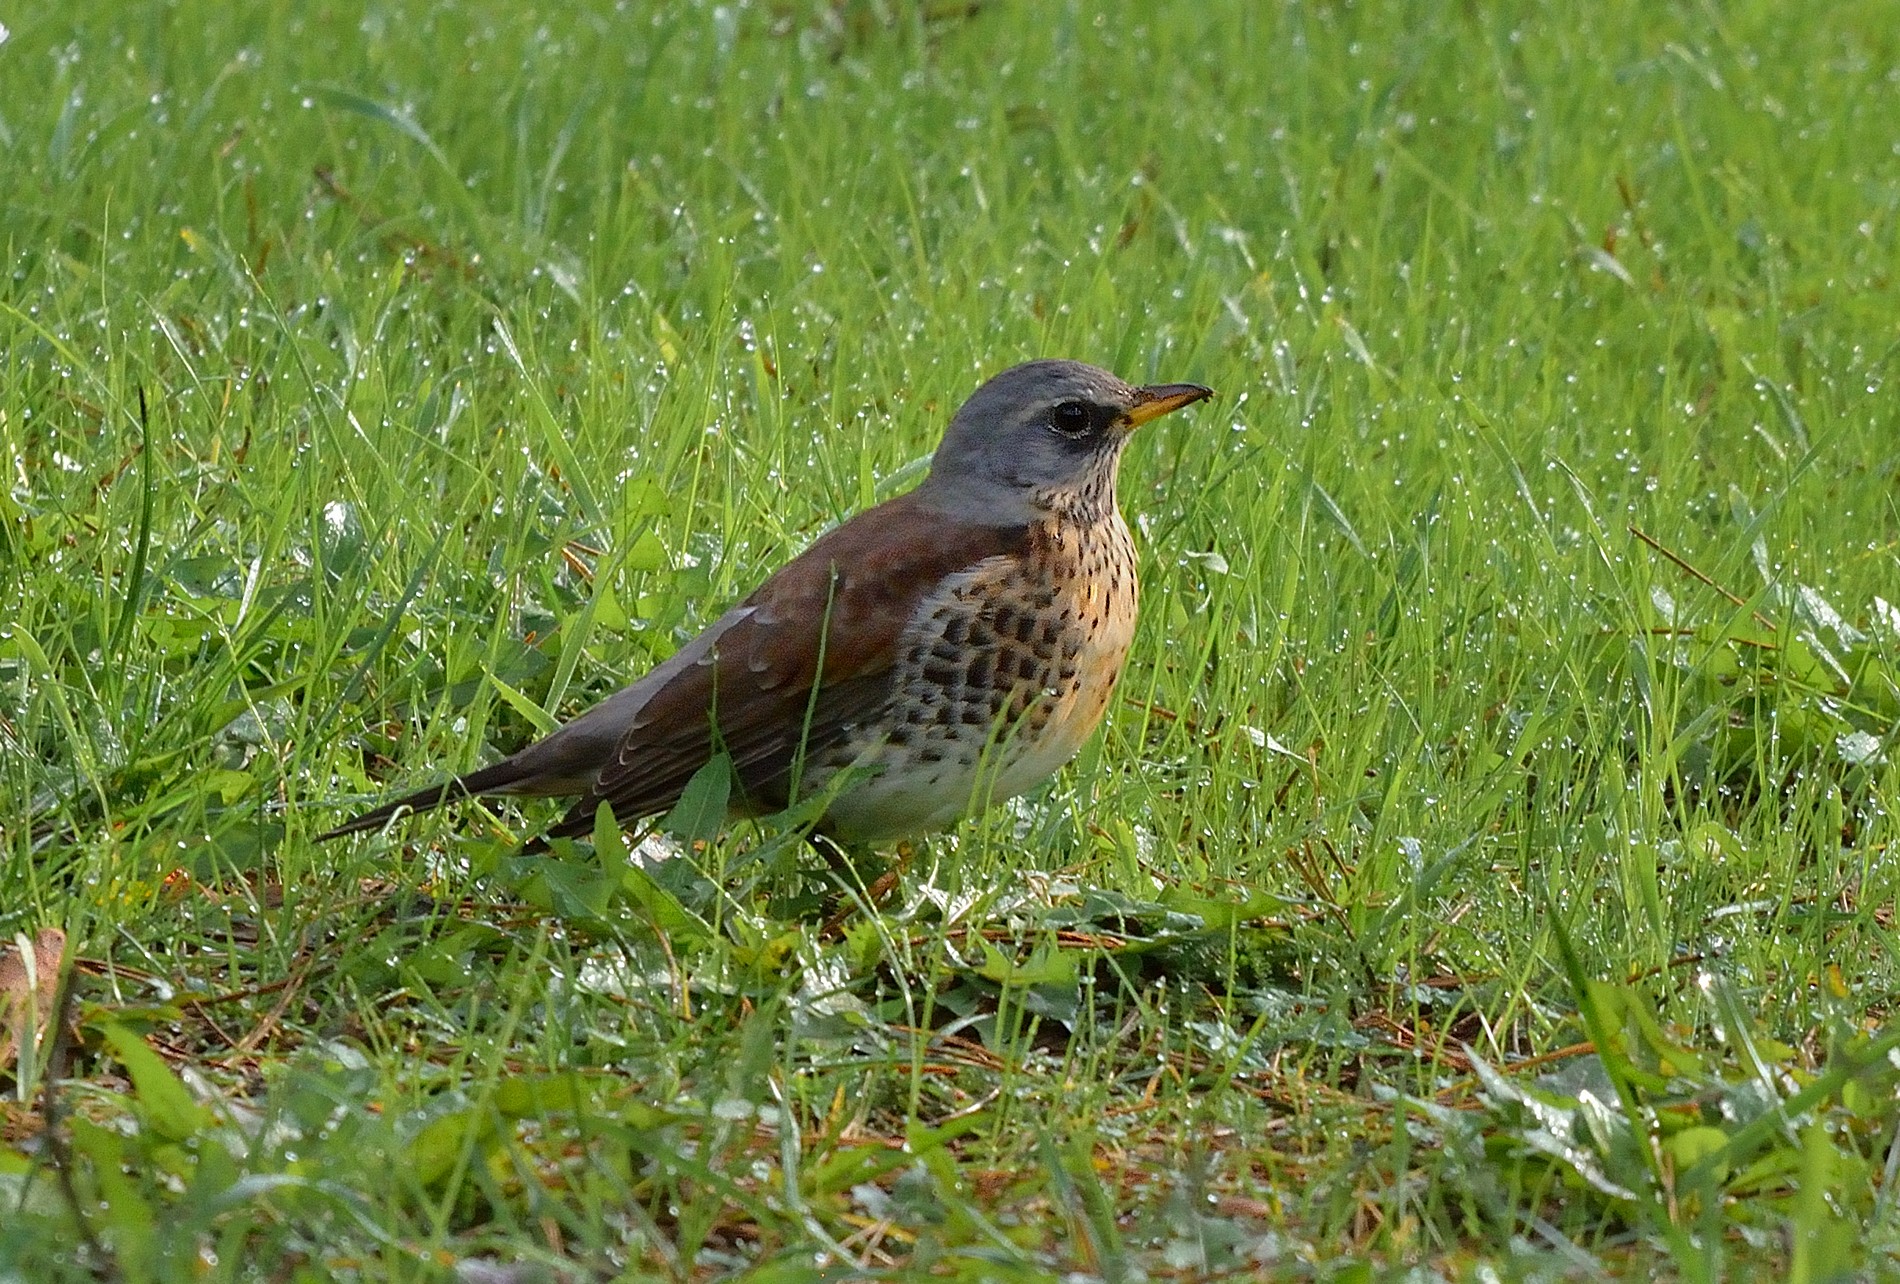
(1163, 398)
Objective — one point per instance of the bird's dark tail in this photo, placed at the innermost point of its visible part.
(488, 780)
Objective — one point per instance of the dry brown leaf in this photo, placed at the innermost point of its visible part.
(29, 976)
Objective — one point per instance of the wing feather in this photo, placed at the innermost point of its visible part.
(803, 663)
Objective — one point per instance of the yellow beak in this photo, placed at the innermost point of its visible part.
(1159, 399)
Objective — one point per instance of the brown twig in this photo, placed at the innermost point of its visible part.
(293, 986)
(1696, 573)
(1585, 1048)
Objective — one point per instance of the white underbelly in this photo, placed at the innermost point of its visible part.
(899, 793)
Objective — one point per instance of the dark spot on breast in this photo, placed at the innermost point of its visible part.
(956, 631)
(944, 675)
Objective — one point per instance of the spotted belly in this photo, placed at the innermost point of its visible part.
(1002, 675)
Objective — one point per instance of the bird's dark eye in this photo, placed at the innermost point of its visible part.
(1070, 418)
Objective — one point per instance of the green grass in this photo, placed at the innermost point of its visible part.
(487, 352)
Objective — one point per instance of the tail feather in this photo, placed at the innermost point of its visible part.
(489, 780)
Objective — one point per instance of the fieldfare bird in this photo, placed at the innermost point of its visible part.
(950, 647)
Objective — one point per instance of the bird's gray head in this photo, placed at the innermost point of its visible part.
(1043, 435)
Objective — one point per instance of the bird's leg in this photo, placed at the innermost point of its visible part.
(861, 880)
(862, 869)
(829, 849)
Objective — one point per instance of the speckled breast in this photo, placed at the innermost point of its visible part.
(1002, 674)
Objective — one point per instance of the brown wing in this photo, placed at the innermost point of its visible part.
(846, 599)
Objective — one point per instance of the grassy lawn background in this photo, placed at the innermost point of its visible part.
(1488, 869)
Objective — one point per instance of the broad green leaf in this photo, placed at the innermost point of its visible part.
(519, 1096)
(700, 813)
(1689, 1146)
(1047, 964)
(165, 1101)
(646, 553)
(440, 1145)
